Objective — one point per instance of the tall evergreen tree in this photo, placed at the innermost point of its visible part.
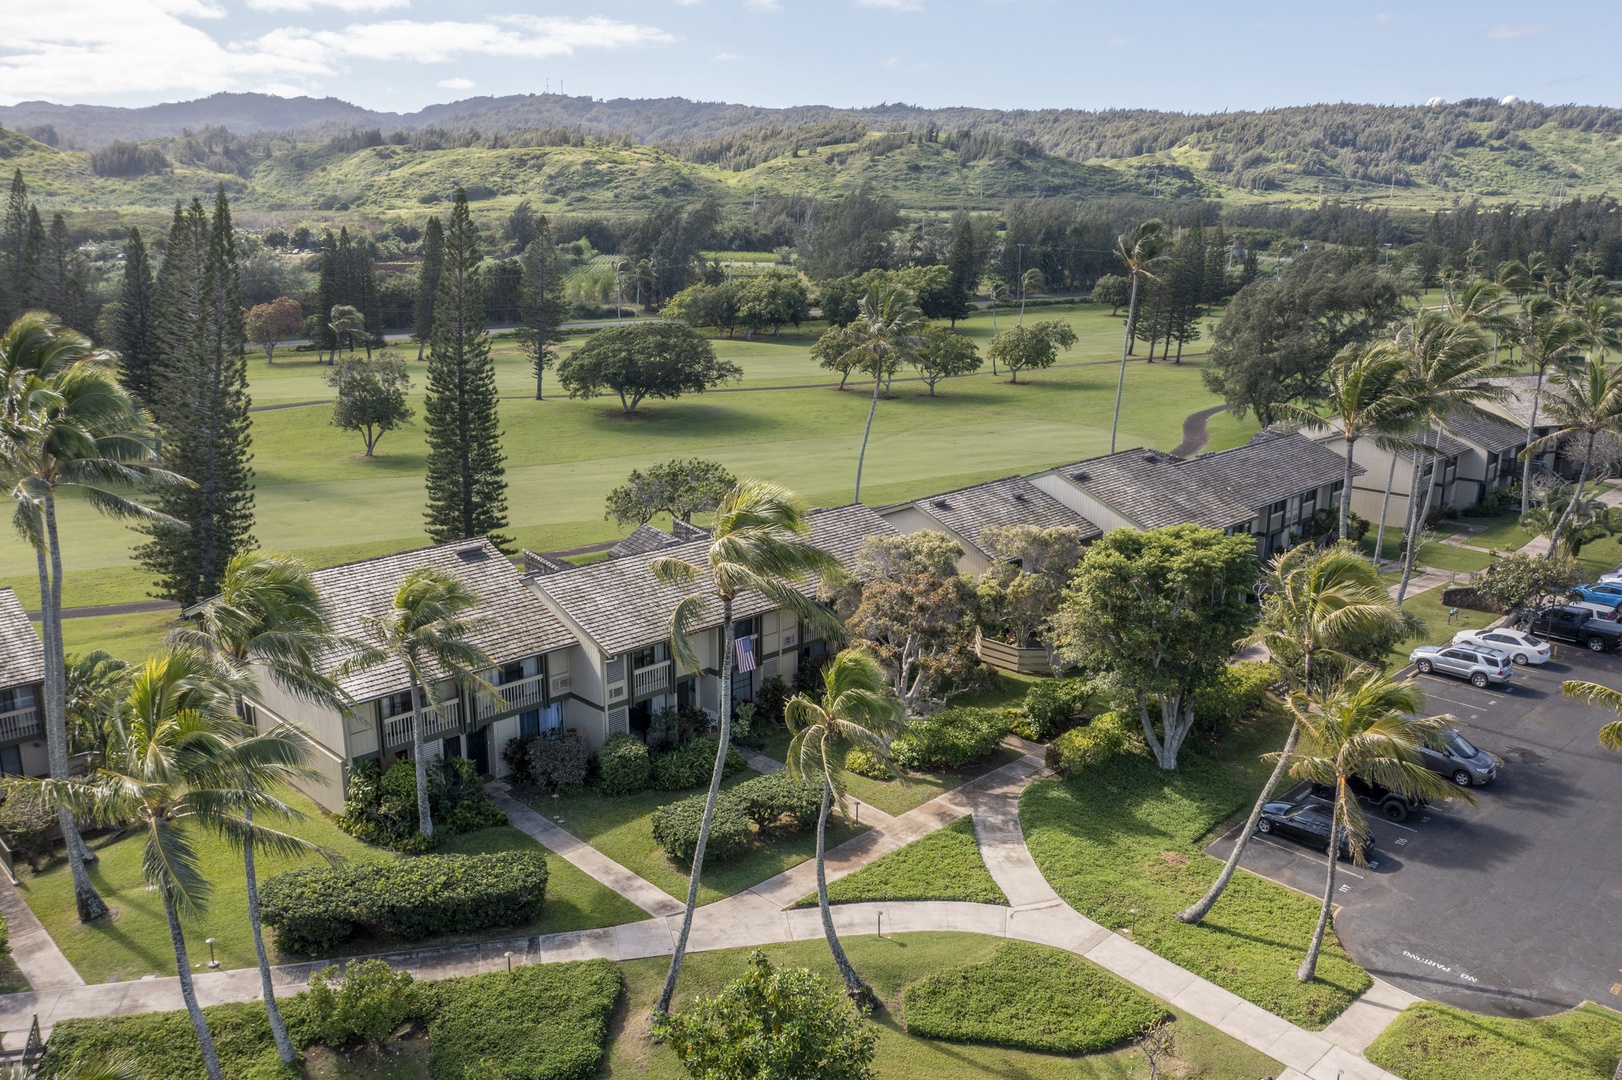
(428, 271)
(964, 264)
(56, 269)
(357, 285)
(15, 275)
(202, 415)
(541, 305)
(328, 295)
(35, 289)
(134, 328)
(175, 292)
(1214, 284)
(467, 484)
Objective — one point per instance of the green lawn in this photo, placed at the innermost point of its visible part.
(1433, 1042)
(945, 865)
(133, 637)
(1435, 553)
(890, 964)
(621, 827)
(1429, 608)
(135, 941)
(1127, 835)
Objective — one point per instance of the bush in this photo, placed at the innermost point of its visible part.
(383, 809)
(542, 1022)
(863, 763)
(690, 765)
(778, 803)
(622, 765)
(1030, 997)
(28, 826)
(314, 909)
(369, 1002)
(1234, 694)
(515, 755)
(675, 828)
(1052, 707)
(951, 738)
(772, 696)
(1108, 735)
(162, 1044)
(664, 730)
(558, 763)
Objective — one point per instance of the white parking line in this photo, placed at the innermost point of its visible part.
(1320, 859)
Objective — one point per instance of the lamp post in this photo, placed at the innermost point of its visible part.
(213, 963)
(509, 955)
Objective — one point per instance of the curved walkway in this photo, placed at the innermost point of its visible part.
(1194, 434)
(762, 916)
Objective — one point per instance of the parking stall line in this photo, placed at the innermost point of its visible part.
(1305, 853)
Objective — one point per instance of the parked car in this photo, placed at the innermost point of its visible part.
(1579, 625)
(1518, 645)
(1613, 578)
(1603, 612)
(1456, 758)
(1389, 804)
(1599, 592)
(1483, 667)
(1305, 822)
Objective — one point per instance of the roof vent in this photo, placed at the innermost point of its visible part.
(1151, 457)
(1019, 496)
(472, 554)
(1080, 476)
(941, 504)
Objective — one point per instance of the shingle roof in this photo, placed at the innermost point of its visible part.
(643, 539)
(518, 625)
(1517, 404)
(22, 654)
(1490, 433)
(620, 606)
(1013, 500)
(1273, 465)
(1152, 489)
(536, 562)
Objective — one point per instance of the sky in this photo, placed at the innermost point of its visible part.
(399, 55)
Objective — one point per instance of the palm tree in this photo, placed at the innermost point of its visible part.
(882, 337)
(1601, 318)
(1610, 736)
(1313, 602)
(1030, 281)
(96, 682)
(266, 617)
(178, 764)
(1548, 337)
(68, 425)
(1583, 403)
(1568, 522)
(346, 322)
(857, 711)
(1137, 250)
(426, 631)
(759, 543)
(1364, 727)
(1479, 303)
(996, 291)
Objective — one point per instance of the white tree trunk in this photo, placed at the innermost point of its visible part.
(205, 1041)
(267, 989)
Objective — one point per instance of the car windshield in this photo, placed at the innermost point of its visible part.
(1460, 745)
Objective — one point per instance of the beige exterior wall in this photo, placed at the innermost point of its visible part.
(36, 759)
(910, 519)
(1081, 502)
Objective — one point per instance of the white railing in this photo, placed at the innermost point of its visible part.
(513, 697)
(19, 723)
(438, 719)
(651, 680)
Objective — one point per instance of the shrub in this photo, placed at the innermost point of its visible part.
(777, 802)
(863, 763)
(622, 765)
(383, 809)
(772, 696)
(690, 765)
(162, 1044)
(949, 739)
(558, 763)
(369, 1002)
(28, 826)
(314, 909)
(675, 828)
(664, 730)
(515, 755)
(1236, 692)
(542, 1022)
(1108, 735)
(1052, 707)
(1030, 997)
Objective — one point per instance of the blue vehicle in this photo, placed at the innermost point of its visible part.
(1599, 593)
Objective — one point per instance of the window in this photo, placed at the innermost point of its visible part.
(1337, 487)
(395, 704)
(16, 698)
(1309, 503)
(509, 673)
(746, 627)
(646, 658)
(1279, 507)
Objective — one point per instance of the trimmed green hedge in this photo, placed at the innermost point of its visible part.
(1052, 707)
(623, 765)
(771, 803)
(1030, 997)
(543, 1022)
(950, 739)
(1108, 735)
(690, 765)
(163, 1044)
(1434, 1042)
(314, 909)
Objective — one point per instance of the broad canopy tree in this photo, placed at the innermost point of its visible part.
(942, 354)
(1034, 346)
(371, 396)
(268, 325)
(659, 360)
(678, 487)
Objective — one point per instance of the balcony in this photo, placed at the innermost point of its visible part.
(651, 680)
(441, 719)
(19, 724)
(510, 697)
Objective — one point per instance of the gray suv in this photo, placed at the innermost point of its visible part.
(1480, 666)
(1456, 758)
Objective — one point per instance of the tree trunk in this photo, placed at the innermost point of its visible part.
(278, 1027)
(1531, 428)
(425, 814)
(205, 1042)
(668, 992)
(857, 990)
(1346, 494)
(1202, 907)
(1126, 349)
(1309, 966)
(1385, 504)
(1419, 512)
(862, 456)
(1571, 503)
(87, 901)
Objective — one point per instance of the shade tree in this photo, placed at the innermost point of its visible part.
(943, 354)
(1036, 346)
(678, 487)
(268, 325)
(372, 396)
(658, 360)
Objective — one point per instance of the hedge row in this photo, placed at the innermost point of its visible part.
(625, 766)
(950, 739)
(314, 909)
(1108, 735)
(771, 803)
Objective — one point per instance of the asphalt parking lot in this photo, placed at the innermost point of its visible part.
(1510, 906)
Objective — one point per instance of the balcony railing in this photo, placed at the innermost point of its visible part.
(19, 723)
(513, 697)
(439, 719)
(651, 680)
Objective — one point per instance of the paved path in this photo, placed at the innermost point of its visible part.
(1194, 434)
(34, 950)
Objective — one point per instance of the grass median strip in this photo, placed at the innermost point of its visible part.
(945, 865)
(1435, 1042)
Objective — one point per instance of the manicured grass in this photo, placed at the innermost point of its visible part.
(1033, 997)
(1429, 608)
(1127, 835)
(132, 637)
(889, 964)
(914, 789)
(1433, 1042)
(12, 979)
(945, 865)
(621, 827)
(135, 941)
(1502, 532)
(1435, 553)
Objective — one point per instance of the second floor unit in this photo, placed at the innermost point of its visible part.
(966, 514)
(22, 692)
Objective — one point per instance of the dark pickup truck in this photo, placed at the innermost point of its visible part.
(1581, 626)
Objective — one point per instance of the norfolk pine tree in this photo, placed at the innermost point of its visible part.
(433, 261)
(134, 332)
(14, 272)
(467, 485)
(541, 305)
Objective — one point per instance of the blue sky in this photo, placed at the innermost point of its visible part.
(402, 54)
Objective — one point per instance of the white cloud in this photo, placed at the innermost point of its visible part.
(528, 36)
(341, 5)
(726, 57)
(892, 5)
(1510, 33)
(1118, 42)
(762, 5)
(456, 84)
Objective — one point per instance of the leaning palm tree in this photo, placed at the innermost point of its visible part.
(996, 292)
(1548, 337)
(856, 711)
(1137, 251)
(759, 543)
(267, 620)
(180, 763)
(1314, 603)
(346, 322)
(1584, 404)
(1363, 727)
(1610, 736)
(427, 633)
(1030, 281)
(883, 336)
(67, 424)
(96, 682)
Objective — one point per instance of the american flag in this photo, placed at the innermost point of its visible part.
(744, 648)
